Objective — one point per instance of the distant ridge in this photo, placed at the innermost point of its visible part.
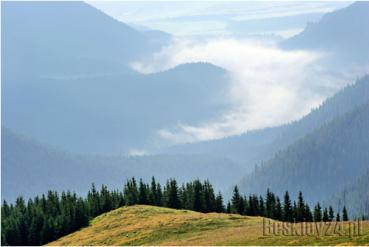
(321, 163)
(344, 32)
(252, 147)
(29, 168)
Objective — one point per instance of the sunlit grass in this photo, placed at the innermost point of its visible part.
(148, 225)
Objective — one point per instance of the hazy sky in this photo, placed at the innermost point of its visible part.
(210, 17)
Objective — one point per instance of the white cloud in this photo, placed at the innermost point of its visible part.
(137, 152)
(205, 17)
(269, 86)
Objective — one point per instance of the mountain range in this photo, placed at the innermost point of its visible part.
(30, 168)
(343, 33)
(67, 80)
(68, 86)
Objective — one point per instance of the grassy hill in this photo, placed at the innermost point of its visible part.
(148, 225)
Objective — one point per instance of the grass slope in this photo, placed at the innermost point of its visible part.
(148, 225)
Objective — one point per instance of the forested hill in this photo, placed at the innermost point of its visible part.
(355, 196)
(112, 114)
(253, 147)
(322, 163)
(68, 81)
(30, 168)
(68, 38)
(344, 32)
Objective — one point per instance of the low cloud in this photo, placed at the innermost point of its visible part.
(137, 152)
(269, 86)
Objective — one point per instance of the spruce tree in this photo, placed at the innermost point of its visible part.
(344, 214)
(142, 193)
(159, 195)
(131, 192)
(249, 206)
(270, 204)
(330, 213)
(208, 197)
(278, 210)
(219, 207)
(106, 203)
(262, 206)
(338, 217)
(287, 208)
(198, 204)
(300, 214)
(294, 212)
(173, 199)
(325, 215)
(308, 215)
(317, 213)
(153, 193)
(237, 202)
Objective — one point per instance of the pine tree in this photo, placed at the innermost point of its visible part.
(287, 208)
(317, 213)
(106, 203)
(219, 207)
(249, 206)
(173, 199)
(300, 214)
(338, 218)
(209, 197)
(278, 210)
(262, 206)
(237, 201)
(256, 206)
(325, 215)
(344, 214)
(93, 201)
(270, 204)
(142, 193)
(131, 192)
(308, 215)
(153, 193)
(198, 204)
(159, 195)
(330, 214)
(47, 231)
(36, 222)
(294, 212)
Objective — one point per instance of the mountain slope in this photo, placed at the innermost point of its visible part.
(147, 225)
(355, 196)
(321, 163)
(67, 38)
(113, 114)
(67, 81)
(30, 168)
(250, 148)
(344, 32)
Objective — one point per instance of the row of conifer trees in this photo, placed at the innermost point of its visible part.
(49, 217)
(272, 207)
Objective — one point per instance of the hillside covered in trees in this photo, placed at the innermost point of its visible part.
(30, 168)
(330, 34)
(320, 164)
(49, 217)
(355, 196)
(255, 146)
